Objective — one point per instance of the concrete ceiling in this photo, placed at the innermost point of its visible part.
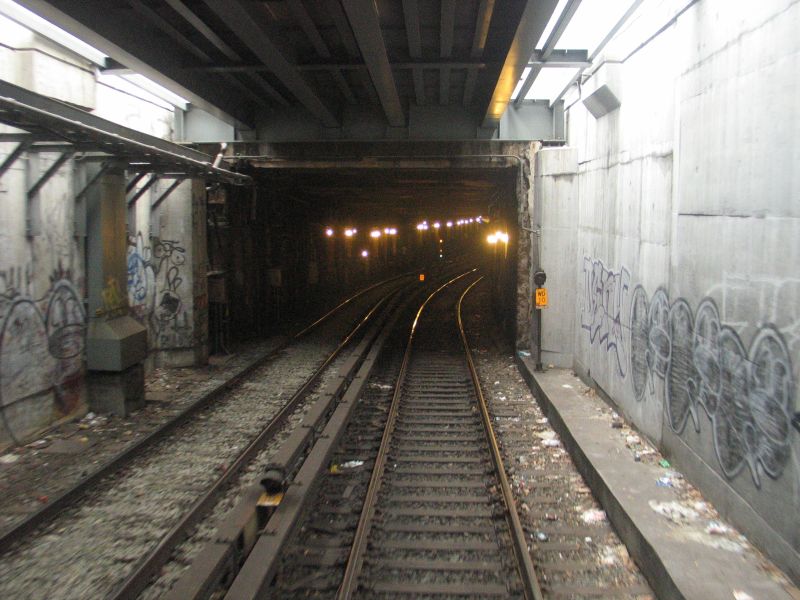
(248, 59)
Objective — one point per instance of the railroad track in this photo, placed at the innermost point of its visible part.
(429, 525)
(413, 502)
(93, 539)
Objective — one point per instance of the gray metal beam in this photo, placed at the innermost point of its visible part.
(167, 28)
(142, 190)
(239, 19)
(94, 22)
(157, 202)
(363, 17)
(344, 87)
(411, 16)
(444, 86)
(550, 44)
(609, 36)
(531, 25)
(57, 164)
(301, 15)
(104, 168)
(447, 27)
(419, 85)
(485, 11)
(190, 17)
(23, 109)
(13, 156)
(342, 26)
(134, 181)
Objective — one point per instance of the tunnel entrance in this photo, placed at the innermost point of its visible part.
(312, 229)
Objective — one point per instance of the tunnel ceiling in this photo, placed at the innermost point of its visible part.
(325, 57)
(393, 196)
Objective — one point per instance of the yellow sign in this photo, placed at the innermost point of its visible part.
(541, 297)
(422, 276)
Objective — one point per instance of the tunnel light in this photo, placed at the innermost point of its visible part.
(391, 231)
(375, 234)
(437, 225)
(491, 238)
(441, 241)
(365, 253)
(449, 224)
(479, 219)
(472, 220)
(422, 226)
(329, 232)
(349, 232)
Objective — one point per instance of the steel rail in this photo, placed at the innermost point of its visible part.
(71, 494)
(525, 564)
(136, 582)
(355, 558)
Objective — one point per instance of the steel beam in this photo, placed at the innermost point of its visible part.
(344, 87)
(239, 19)
(485, 11)
(342, 26)
(444, 86)
(550, 44)
(157, 202)
(142, 190)
(532, 23)
(104, 168)
(190, 17)
(96, 22)
(13, 156)
(301, 15)
(447, 27)
(168, 29)
(23, 109)
(363, 17)
(40, 183)
(419, 85)
(135, 181)
(411, 16)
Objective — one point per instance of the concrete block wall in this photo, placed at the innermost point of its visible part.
(683, 213)
(43, 291)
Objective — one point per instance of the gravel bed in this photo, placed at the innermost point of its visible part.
(90, 548)
(571, 542)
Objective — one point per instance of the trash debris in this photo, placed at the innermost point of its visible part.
(497, 383)
(380, 386)
(39, 444)
(717, 528)
(351, 464)
(664, 463)
(637, 456)
(674, 511)
(740, 595)
(89, 416)
(566, 385)
(546, 435)
(43, 499)
(8, 459)
(551, 443)
(541, 536)
(632, 440)
(588, 540)
(550, 517)
(524, 353)
(594, 515)
(523, 460)
(542, 421)
(664, 482)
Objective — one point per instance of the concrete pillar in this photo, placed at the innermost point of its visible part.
(116, 344)
(556, 194)
(176, 261)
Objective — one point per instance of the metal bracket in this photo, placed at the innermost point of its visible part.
(133, 182)
(156, 203)
(142, 190)
(12, 158)
(65, 156)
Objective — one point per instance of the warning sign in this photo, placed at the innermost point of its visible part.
(541, 298)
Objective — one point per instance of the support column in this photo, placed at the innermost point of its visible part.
(116, 343)
(178, 259)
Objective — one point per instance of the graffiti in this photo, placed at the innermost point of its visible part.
(154, 290)
(41, 341)
(604, 296)
(706, 369)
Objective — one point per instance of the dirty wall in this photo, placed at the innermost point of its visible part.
(674, 222)
(42, 248)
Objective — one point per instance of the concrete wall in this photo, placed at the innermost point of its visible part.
(43, 248)
(687, 241)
